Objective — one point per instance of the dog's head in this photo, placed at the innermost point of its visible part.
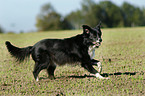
(92, 35)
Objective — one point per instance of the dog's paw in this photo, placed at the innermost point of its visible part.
(37, 79)
(101, 77)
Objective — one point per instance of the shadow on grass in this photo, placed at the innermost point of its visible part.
(119, 73)
(74, 76)
(104, 75)
(91, 76)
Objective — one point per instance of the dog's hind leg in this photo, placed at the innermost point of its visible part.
(50, 70)
(41, 62)
(38, 67)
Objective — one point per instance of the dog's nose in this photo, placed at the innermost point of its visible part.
(100, 39)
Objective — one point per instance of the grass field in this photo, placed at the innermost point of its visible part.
(122, 54)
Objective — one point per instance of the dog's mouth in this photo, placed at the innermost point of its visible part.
(97, 44)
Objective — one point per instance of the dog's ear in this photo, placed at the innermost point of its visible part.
(86, 29)
(99, 25)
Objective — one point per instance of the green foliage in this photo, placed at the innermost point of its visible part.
(133, 16)
(48, 19)
(110, 14)
(114, 16)
(76, 19)
(1, 30)
(91, 13)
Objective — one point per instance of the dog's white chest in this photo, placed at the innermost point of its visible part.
(91, 51)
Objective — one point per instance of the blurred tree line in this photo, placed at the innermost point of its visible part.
(91, 13)
(49, 19)
(1, 30)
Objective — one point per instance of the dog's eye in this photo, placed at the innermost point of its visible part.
(95, 36)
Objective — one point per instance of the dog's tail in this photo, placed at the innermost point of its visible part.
(19, 53)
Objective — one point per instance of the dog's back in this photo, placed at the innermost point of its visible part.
(60, 51)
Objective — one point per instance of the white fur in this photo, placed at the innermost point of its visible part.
(97, 41)
(100, 67)
(100, 77)
(37, 79)
(91, 51)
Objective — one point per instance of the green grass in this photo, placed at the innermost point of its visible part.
(122, 54)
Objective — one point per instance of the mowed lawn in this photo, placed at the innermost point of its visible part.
(122, 54)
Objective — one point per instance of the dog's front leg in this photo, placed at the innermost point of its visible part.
(98, 64)
(90, 68)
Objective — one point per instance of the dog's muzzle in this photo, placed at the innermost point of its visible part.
(97, 44)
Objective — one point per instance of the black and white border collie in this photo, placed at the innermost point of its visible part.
(49, 53)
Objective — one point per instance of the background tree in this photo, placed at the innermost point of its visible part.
(114, 16)
(49, 19)
(133, 15)
(1, 30)
(91, 13)
(143, 19)
(76, 19)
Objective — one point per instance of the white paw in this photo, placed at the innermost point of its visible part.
(100, 77)
(37, 79)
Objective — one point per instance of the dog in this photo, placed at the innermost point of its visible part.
(49, 53)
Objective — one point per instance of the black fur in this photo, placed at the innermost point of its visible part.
(48, 53)
(19, 53)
